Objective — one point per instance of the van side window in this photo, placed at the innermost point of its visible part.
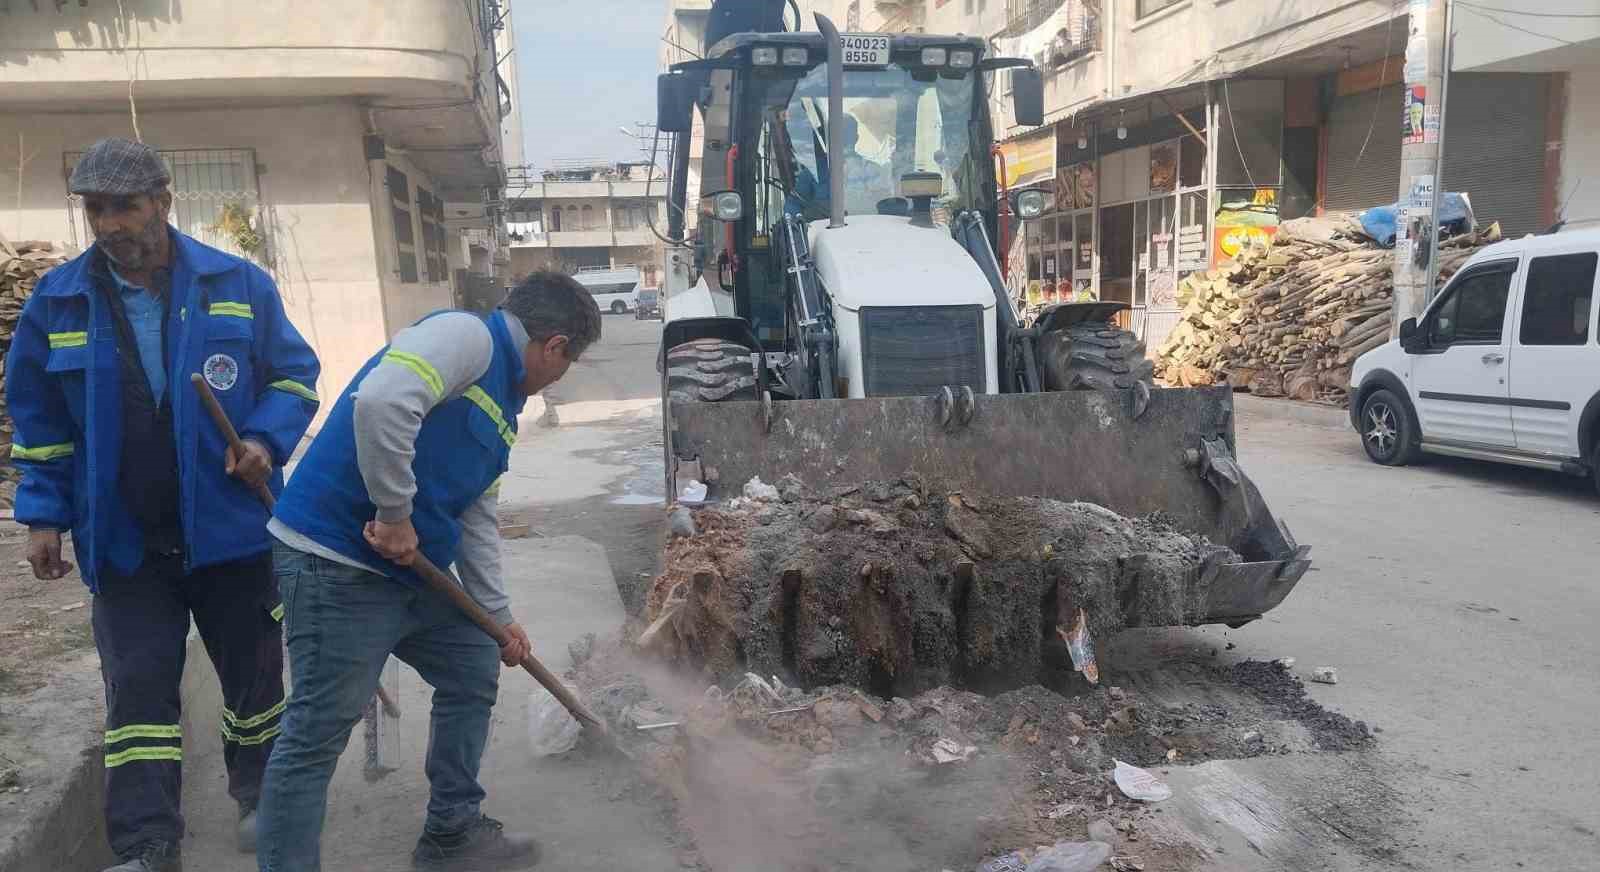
(1558, 300)
(1475, 313)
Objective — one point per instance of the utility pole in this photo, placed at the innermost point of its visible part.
(1416, 229)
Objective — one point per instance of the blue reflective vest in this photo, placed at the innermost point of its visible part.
(64, 390)
(462, 448)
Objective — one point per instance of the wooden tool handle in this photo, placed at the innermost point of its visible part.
(220, 418)
(441, 582)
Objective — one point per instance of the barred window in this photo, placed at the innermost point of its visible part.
(431, 210)
(215, 199)
(405, 235)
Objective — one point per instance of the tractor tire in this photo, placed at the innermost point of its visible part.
(1093, 356)
(710, 371)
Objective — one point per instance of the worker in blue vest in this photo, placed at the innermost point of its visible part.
(409, 462)
(114, 446)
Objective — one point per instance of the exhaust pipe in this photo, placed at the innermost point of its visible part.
(835, 112)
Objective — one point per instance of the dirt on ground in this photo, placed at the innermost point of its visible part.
(765, 775)
(40, 621)
(896, 588)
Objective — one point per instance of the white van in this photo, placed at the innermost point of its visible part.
(615, 290)
(1504, 365)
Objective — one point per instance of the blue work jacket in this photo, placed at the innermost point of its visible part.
(64, 391)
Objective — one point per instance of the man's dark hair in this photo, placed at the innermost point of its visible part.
(553, 304)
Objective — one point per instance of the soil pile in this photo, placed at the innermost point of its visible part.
(896, 589)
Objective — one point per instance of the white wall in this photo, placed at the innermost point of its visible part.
(314, 198)
(1509, 42)
(1580, 155)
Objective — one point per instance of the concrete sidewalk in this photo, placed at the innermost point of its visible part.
(561, 588)
(1278, 409)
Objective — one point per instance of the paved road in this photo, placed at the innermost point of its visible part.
(1459, 602)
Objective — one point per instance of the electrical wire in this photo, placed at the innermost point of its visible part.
(1503, 23)
(1233, 128)
(1383, 76)
(1529, 14)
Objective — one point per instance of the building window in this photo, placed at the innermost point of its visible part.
(431, 210)
(215, 199)
(588, 217)
(1151, 7)
(405, 235)
(555, 220)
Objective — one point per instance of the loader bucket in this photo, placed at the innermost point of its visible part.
(1173, 458)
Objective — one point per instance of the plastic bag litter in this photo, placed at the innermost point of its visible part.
(693, 493)
(1140, 784)
(551, 728)
(756, 489)
(1081, 648)
(1070, 857)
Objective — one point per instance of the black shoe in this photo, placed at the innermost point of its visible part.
(151, 857)
(482, 847)
(247, 829)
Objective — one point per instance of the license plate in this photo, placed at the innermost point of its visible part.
(865, 49)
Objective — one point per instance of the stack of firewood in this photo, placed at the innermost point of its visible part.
(1289, 319)
(21, 266)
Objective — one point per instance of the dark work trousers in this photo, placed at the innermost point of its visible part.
(141, 627)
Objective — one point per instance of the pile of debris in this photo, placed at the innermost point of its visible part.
(22, 264)
(768, 775)
(898, 588)
(1289, 319)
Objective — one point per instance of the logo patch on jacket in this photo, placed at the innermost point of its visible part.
(221, 371)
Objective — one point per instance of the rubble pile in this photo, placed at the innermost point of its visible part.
(22, 264)
(897, 588)
(1289, 319)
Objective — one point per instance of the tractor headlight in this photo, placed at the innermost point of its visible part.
(935, 57)
(962, 60)
(1030, 204)
(727, 206)
(796, 57)
(764, 56)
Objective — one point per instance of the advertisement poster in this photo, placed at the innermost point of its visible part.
(1241, 223)
(1414, 103)
(1163, 168)
(1417, 42)
(1030, 160)
(1075, 188)
(1430, 125)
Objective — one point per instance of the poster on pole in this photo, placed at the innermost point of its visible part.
(1416, 69)
(1414, 104)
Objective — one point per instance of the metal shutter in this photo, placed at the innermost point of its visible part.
(1375, 179)
(1494, 146)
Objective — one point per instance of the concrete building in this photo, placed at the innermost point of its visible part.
(348, 149)
(586, 214)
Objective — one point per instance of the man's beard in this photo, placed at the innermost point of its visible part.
(134, 251)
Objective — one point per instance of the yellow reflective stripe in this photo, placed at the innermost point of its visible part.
(258, 720)
(422, 368)
(237, 310)
(134, 754)
(277, 613)
(144, 731)
(492, 409)
(263, 736)
(68, 340)
(297, 389)
(43, 452)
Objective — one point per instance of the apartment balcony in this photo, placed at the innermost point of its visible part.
(570, 191)
(641, 237)
(412, 61)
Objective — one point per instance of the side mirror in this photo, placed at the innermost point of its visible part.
(674, 103)
(1409, 338)
(1027, 96)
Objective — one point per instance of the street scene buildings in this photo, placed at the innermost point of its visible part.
(1018, 434)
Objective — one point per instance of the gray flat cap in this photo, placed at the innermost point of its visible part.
(118, 167)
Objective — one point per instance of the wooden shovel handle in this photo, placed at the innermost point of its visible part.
(220, 418)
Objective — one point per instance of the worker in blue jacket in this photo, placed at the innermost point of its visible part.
(115, 447)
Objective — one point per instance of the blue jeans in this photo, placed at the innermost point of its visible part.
(342, 624)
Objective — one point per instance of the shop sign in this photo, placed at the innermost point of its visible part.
(1031, 159)
(1191, 247)
(1242, 224)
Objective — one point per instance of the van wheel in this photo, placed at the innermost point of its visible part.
(618, 307)
(1388, 432)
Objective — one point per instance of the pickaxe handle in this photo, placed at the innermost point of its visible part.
(263, 492)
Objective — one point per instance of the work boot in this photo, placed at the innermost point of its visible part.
(482, 847)
(151, 857)
(247, 829)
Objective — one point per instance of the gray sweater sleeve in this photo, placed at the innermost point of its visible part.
(428, 364)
